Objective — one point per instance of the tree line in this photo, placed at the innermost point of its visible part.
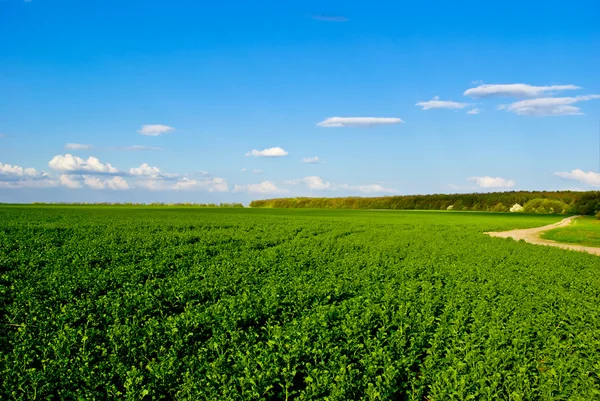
(559, 202)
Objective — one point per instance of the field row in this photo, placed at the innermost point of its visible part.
(228, 304)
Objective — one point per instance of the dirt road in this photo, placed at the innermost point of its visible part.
(532, 235)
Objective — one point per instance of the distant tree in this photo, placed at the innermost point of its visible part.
(500, 207)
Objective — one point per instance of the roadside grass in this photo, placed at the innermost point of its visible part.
(584, 230)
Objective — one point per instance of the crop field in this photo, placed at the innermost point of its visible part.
(269, 304)
(584, 230)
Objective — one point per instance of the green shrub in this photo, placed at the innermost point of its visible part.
(500, 207)
(542, 205)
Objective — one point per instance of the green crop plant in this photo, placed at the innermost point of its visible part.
(139, 303)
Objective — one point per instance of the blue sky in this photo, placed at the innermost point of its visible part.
(172, 98)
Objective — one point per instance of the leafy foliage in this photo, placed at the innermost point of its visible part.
(574, 202)
(253, 304)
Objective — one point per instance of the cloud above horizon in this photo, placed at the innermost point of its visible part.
(155, 129)
(589, 177)
(312, 160)
(74, 164)
(548, 106)
(338, 122)
(265, 187)
(492, 182)
(312, 182)
(114, 183)
(135, 148)
(270, 152)
(474, 111)
(436, 103)
(318, 184)
(515, 90)
(78, 146)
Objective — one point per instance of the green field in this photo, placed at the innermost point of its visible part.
(584, 230)
(268, 304)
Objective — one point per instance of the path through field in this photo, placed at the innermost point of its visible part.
(532, 235)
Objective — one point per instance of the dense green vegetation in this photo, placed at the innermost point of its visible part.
(187, 204)
(583, 231)
(546, 202)
(267, 304)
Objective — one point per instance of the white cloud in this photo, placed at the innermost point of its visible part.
(474, 111)
(318, 184)
(257, 171)
(368, 189)
(68, 181)
(548, 106)
(515, 90)
(28, 183)
(78, 146)
(244, 170)
(138, 148)
(492, 182)
(589, 178)
(153, 185)
(7, 169)
(212, 184)
(115, 183)
(335, 122)
(312, 182)
(155, 129)
(310, 159)
(436, 103)
(209, 184)
(265, 187)
(145, 170)
(270, 152)
(20, 177)
(74, 164)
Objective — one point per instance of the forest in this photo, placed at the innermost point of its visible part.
(542, 202)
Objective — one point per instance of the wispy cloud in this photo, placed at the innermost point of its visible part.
(436, 103)
(69, 181)
(78, 146)
(318, 184)
(114, 183)
(210, 184)
(589, 177)
(132, 148)
(265, 187)
(155, 129)
(312, 182)
(313, 160)
(548, 106)
(474, 111)
(270, 152)
(492, 182)
(70, 163)
(368, 189)
(256, 171)
(336, 122)
(329, 17)
(515, 90)
(136, 148)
